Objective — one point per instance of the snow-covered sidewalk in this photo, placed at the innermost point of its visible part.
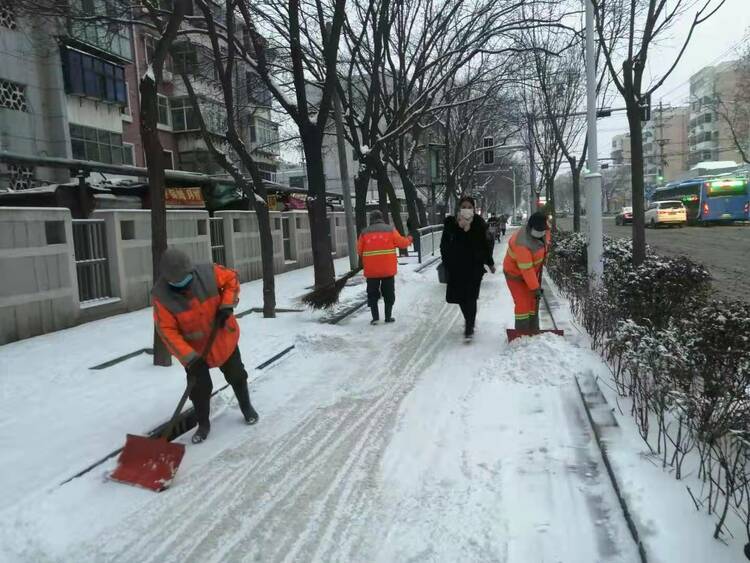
(388, 443)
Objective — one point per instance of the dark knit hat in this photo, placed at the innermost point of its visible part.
(538, 221)
(376, 217)
(175, 265)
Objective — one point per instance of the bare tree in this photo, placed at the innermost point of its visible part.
(628, 29)
(224, 35)
(735, 111)
(296, 58)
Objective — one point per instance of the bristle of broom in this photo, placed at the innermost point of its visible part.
(327, 296)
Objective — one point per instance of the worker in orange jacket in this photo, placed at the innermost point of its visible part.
(187, 301)
(377, 247)
(527, 250)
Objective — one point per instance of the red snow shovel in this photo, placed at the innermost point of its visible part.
(151, 463)
(515, 333)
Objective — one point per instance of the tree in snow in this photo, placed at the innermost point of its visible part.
(224, 73)
(627, 30)
(295, 55)
(735, 110)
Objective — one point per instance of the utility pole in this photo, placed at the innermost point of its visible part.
(346, 193)
(662, 143)
(593, 178)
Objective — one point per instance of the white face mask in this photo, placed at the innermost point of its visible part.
(538, 234)
(467, 213)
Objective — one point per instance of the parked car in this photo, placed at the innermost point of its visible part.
(666, 213)
(625, 216)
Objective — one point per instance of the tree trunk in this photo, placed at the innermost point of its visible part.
(361, 183)
(636, 167)
(390, 191)
(155, 165)
(382, 198)
(325, 274)
(422, 209)
(551, 202)
(576, 172)
(266, 250)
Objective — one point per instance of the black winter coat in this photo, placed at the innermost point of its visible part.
(464, 255)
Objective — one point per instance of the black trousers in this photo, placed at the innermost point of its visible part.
(385, 287)
(469, 310)
(235, 374)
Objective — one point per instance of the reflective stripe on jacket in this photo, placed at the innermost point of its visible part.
(377, 246)
(183, 319)
(525, 257)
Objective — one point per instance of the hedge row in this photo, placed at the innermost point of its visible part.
(682, 357)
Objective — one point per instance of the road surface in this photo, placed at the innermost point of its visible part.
(724, 250)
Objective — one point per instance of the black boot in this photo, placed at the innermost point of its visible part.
(202, 433)
(375, 314)
(243, 398)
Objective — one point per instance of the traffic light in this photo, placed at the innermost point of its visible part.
(489, 153)
(645, 105)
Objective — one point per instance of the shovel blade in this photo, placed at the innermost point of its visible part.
(150, 463)
(514, 333)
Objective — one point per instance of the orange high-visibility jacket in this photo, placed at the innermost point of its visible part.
(377, 246)
(525, 256)
(184, 319)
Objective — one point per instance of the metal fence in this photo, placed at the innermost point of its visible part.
(92, 267)
(429, 241)
(218, 250)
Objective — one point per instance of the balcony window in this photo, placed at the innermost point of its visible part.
(92, 77)
(183, 116)
(97, 145)
(264, 134)
(163, 105)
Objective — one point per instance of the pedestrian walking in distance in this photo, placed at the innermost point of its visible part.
(502, 223)
(524, 260)
(188, 299)
(377, 247)
(465, 250)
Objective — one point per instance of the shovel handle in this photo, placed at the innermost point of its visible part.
(190, 384)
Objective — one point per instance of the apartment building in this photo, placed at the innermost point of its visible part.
(71, 90)
(620, 151)
(709, 136)
(665, 144)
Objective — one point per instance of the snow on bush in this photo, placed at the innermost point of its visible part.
(683, 359)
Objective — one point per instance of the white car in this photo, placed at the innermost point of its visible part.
(666, 213)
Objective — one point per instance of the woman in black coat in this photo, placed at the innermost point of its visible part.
(465, 250)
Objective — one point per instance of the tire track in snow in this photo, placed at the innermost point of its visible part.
(293, 476)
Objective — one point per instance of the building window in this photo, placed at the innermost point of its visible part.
(183, 115)
(98, 145)
(257, 91)
(149, 48)
(7, 18)
(125, 108)
(268, 172)
(128, 154)
(168, 160)
(13, 96)
(163, 103)
(265, 134)
(96, 78)
(185, 58)
(20, 177)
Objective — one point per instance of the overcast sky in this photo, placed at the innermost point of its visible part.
(715, 41)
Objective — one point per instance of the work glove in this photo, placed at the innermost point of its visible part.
(538, 293)
(197, 368)
(222, 316)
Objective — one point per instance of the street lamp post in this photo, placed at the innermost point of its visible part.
(593, 178)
